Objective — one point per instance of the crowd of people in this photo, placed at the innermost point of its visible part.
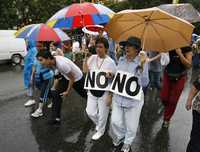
(51, 73)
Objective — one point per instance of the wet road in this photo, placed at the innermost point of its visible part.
(20, 133)
(11, 84)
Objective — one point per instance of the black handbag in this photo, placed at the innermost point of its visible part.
(97, 93)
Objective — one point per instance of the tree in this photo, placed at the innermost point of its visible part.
(22, 12)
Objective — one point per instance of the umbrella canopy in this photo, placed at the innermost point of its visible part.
(79, 15)
(41, 32)
(93, 29)
(158, 30)
(22, 33)
(185, 11)
(62, 35)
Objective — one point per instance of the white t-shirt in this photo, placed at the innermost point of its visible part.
(97, 63)
(76, 46)
(65, 66)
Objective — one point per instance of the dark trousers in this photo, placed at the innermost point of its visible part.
(45, 90)
(155, 78)
(62, 86)
(194, 143)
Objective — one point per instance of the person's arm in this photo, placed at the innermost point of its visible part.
(111, 73)
(70, 85)
(185, 60)
(145, 75)
(60, 52)
(85, 65)
(154, 58)
(86, 62)
(192, 94)
(32, 74)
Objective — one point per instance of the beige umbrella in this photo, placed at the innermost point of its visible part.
(158, 30)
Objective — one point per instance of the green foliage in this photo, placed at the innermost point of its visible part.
(17, 13)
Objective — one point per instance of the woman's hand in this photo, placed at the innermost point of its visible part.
(66, 93)
(188, 105)
(109, 75)
(143, 57)
(179, 52)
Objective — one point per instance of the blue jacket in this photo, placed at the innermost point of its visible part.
(28, 62)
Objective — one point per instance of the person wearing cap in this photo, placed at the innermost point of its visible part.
(126, 111)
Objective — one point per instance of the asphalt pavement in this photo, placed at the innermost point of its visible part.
(20, 133)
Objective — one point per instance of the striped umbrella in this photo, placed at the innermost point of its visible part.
(41, 32)
(79, 15)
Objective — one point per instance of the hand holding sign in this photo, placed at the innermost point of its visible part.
(109, 75)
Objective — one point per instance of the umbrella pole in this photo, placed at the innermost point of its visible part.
(142, 55)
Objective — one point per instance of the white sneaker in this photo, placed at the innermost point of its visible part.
(37, 113)
(126, 148)
(29, 103)
(50, 105)
(97, 136)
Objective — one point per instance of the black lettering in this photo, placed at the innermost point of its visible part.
(90, 79)
(120, 84)
(98, 78)
(128, 86)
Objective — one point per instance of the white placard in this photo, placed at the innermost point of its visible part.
(96, 80)
(126, 84)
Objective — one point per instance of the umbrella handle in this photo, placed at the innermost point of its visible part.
(142, 62)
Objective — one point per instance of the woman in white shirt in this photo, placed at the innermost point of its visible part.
(97, 108)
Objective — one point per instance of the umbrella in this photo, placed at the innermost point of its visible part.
(21, 33)
(62, 35)
(185, 11)
(41, 32)
(158, 30)
(93, 29)
(79, 15)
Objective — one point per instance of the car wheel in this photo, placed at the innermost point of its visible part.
(16, 59)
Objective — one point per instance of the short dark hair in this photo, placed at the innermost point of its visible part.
(45, 54)
(68, 41)
(104, 41)
(56, 44)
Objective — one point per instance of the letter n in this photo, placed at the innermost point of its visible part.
(118, 82)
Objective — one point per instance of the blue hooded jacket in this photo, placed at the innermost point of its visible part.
(29, 61)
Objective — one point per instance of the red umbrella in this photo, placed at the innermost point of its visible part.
(79, 15)
(38, 32)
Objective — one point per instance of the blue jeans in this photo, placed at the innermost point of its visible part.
(155, 78)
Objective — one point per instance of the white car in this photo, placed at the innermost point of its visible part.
(13, 49)
(7, 33)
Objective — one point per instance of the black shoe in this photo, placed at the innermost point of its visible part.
(165, 124)
(54, 122)
(117, 148)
